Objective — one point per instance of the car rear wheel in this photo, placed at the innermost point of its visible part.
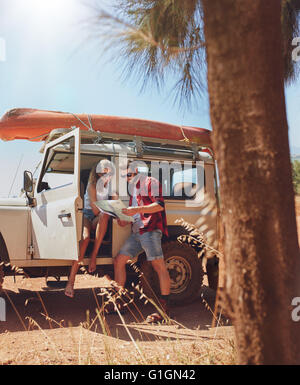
(185, 270)
(212, 270)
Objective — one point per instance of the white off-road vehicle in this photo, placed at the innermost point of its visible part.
(40, 231)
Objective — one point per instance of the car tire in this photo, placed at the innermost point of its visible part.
(212, 270)
(185, 270)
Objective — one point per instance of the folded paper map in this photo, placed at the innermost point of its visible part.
(114, 208)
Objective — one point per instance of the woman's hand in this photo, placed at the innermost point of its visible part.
(122, 223)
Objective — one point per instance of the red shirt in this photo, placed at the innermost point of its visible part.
(149, 190)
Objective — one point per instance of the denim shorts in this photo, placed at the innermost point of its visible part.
(150, 242)
(88, 213)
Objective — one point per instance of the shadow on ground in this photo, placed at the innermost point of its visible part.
(67, 312)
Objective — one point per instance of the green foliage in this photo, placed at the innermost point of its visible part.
(296, 176)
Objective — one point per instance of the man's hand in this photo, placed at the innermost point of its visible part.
(130, 211)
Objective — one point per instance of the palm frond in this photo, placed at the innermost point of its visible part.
(151, 38)
(153, 41)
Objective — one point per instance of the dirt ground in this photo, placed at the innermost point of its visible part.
(73, 334)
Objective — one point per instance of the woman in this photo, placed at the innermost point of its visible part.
(98, 188)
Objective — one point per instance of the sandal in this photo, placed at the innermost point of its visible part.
(157, 317)
(154, 318)
(69, 292)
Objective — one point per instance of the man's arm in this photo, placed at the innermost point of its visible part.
(149, 209)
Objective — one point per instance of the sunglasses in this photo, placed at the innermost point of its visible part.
(100, 174)
(129, 175)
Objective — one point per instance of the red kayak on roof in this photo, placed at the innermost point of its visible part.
(35, 125)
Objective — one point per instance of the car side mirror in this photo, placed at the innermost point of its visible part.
(28, 182)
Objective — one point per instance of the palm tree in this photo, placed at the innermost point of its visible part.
(250, 135)
(242, 42)
(152, 38)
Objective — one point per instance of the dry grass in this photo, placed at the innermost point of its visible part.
(93, 341)
(80, 346)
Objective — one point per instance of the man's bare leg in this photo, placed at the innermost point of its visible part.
(165, 285)
(120, 269)
(163, 275)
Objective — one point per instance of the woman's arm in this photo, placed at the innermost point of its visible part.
(93, 198)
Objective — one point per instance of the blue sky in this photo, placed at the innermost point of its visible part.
(52, 64)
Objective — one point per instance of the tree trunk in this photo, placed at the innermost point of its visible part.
(1, 278)
(250, 137)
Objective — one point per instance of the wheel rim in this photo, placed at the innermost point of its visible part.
(180, 273)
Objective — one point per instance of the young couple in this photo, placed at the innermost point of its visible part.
(146, 206)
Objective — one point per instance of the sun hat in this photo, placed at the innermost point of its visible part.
(105, 163)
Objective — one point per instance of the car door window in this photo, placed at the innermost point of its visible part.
(58, 169)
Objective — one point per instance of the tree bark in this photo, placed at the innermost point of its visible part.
(250, 137)
(1, 278)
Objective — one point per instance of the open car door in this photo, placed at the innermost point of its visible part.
(57, 215)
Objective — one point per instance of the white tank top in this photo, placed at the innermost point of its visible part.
(138, 223)
(102, 193)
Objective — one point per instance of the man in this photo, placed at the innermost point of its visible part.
(146, 206)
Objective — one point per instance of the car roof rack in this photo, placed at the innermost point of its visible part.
(140, 143)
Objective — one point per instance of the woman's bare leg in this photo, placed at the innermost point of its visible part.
(82, 249)
(101, 228)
